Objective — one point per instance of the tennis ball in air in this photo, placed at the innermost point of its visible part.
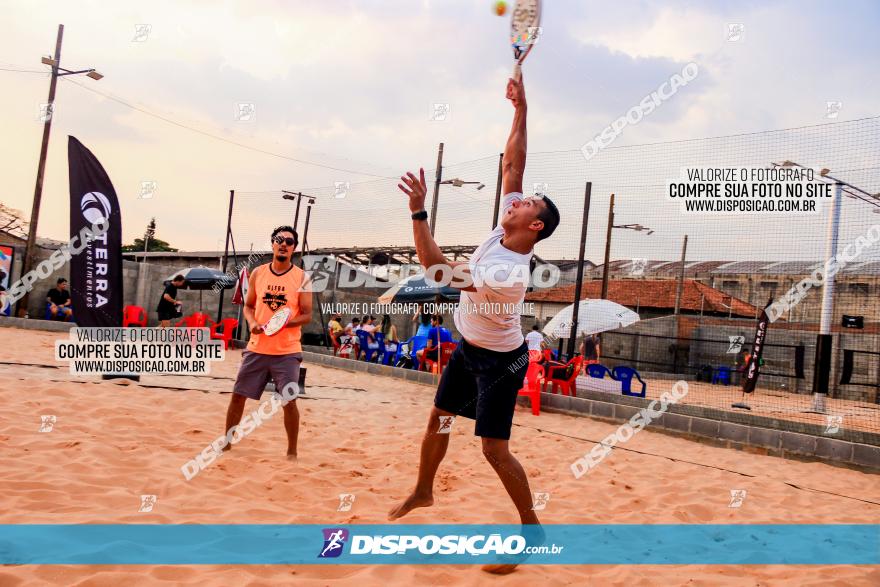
(500, 7)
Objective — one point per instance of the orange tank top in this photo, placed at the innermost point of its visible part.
(275, 291)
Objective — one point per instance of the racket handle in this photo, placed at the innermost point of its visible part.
(517, 71)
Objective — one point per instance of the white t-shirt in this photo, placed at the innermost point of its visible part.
(534, 340)
(490, 317)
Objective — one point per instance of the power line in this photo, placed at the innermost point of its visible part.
(24, 70)
(221, 138)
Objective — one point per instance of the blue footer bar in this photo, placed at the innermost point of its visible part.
(567, 544)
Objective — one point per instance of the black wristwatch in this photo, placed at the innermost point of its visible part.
(420, 215)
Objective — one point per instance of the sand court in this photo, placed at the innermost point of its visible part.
(112, 442)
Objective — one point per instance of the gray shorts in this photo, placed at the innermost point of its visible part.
(257, 370)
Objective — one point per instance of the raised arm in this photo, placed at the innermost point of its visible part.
(514, 161)
(430, 255)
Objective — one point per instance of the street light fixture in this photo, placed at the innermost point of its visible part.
(456, 182)
(57, 71)
(611, 225)
(298, 196)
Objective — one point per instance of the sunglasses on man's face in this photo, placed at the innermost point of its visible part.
(287, 241)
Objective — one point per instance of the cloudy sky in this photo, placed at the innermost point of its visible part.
(343, 91)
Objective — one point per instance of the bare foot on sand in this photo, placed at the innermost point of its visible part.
(291, 456)
(499, 569)
(410, 503)
(534, 535)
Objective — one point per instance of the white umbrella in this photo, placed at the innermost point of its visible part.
(594, 316)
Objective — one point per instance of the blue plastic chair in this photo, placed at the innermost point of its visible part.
(380, 340)
(369, 349)
(721, 375)
(599, 371)
(625, 376)
(402, 346)
(389, 357)
(411, 346)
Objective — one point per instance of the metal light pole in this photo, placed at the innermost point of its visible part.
(497, 192)
(305, 244)
(607, 249)
(680, 288)
(611, 225)
(226, 249)
(437, 178)
(57, 71)
(298, 196)
(824, 339)
(588, 190)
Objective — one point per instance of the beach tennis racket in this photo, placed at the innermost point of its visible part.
(524, 22)
(278, 321)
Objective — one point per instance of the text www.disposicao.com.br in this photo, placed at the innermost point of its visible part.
(750, 206)
(157, 366)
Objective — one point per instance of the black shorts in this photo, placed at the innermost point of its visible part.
(482, 385)
(166, 315)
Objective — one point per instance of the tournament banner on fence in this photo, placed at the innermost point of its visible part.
(751, 378)
(95, 273)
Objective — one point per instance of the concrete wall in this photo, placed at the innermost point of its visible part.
(645, 345)
(780, 359)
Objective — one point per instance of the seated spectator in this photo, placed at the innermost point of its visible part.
(367, 324)
(350, 339)
(389, 331)
(334, 327)
(351, 329)
(59, 303)
(436, 335)
(423, 320)
(369, 327)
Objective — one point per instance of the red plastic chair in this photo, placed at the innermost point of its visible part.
(134, 316)
(446, 350)
(535, 356)
(559, 376)
(224, 330)
(532, 386)
(196, 320)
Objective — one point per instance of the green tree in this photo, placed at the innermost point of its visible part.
(152, 243)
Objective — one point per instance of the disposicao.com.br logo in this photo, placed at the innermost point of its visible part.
(334, 541)
(430, 544)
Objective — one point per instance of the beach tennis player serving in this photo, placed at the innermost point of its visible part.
(278, 304)
(486, 370)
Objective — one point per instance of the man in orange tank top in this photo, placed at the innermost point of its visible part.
(272, 287)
